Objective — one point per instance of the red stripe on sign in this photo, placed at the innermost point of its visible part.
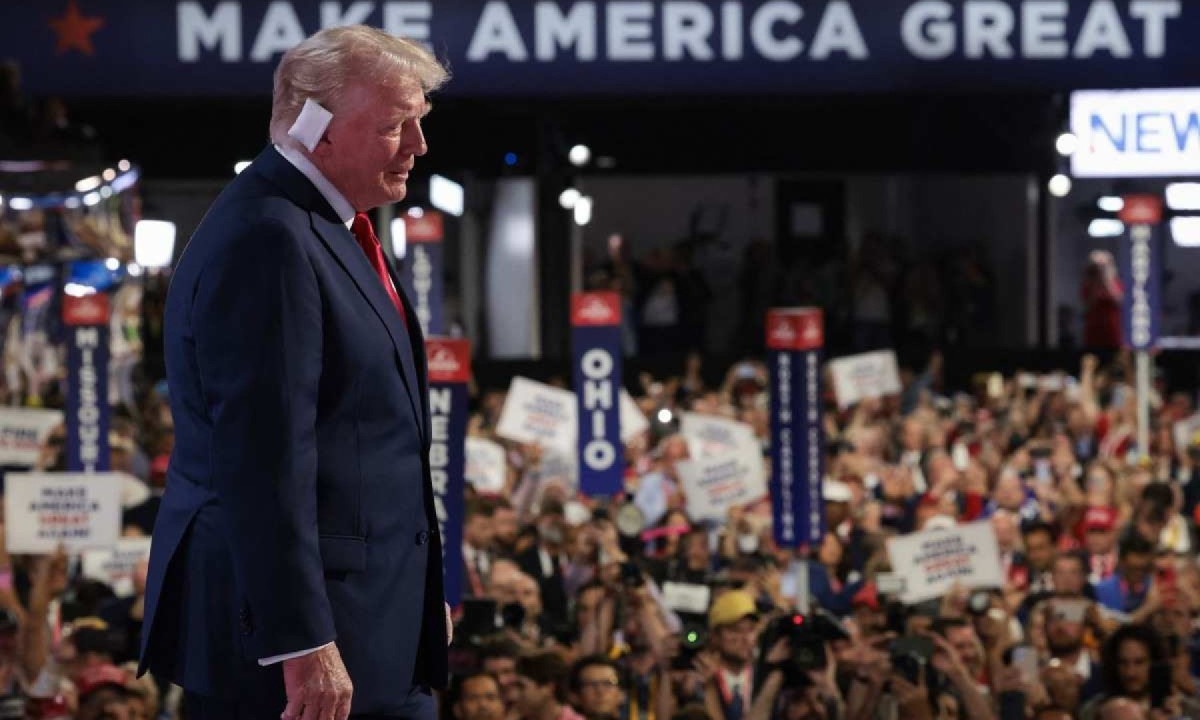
(87, 310)
(595, 308)
(795, 329)
(429, 228)
(1142, 210)
(449, 360)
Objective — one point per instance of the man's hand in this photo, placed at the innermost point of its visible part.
(318, 686)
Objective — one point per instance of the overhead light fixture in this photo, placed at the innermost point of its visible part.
(91, 199)
(106, 192)
(606, 162)
(109, 174)
(1106, 227)
(1059, 185)
(78, 289)
(112, 264)
(239, 166)
(124, 166)
(399, 238)
(88, 184)
(567, 198)
(1183, 196)
(1111, 203)
(579, 155)
(416, 212)
(446, 195)
(72, 202)
(583, 210)
(20, 203)
(1185, 230)
(1067, 144)
(125, 181)
(154, 243)
(134, 270)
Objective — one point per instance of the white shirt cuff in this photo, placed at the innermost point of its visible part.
(290, 656)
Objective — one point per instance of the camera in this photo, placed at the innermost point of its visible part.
(512, 616)
(692, 640)
(807, 638)
(909, 654)
(979, 602)
(631, 575)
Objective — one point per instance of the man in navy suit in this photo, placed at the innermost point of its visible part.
(296, 567)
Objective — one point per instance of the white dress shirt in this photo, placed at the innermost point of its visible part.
(345, 213)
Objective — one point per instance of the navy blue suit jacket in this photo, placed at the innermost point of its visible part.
(298, 508)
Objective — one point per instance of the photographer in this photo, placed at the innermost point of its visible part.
(791, 691)
(733, 624)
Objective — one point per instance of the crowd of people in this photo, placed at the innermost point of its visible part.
(573, 610)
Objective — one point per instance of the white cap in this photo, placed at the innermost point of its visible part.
(836, 491)
(940, 522)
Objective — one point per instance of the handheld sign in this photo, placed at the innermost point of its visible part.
(449, 372)
(794, 340)
(596, 366)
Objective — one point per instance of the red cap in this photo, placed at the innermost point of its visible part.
(867, 595)
(95, 677)
(1100, 518)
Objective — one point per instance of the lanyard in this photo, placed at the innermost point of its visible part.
(747, 677)
(634, 713)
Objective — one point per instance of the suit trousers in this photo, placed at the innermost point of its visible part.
(420, 705)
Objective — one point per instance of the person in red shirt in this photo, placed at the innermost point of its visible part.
(1102, 293)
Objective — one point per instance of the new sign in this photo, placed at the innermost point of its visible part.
(1136, 133)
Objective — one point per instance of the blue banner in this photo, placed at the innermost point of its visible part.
(423, 272)
(87, 382)
(449, 362)
(1141, 271)
(794, 340)
(596, 367)
(600, 47)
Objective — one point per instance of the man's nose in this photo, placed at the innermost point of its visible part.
(415, 140)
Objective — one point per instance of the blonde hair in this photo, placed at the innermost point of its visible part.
(325, 64)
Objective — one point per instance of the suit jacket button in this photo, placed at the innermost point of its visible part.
(422, 537)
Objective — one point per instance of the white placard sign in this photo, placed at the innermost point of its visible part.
(712, 436)
(868, 375)
(538, 414)
(1184, 429)
(76, 510)
(116, 566)
(486, 465)
(22, 432)
(633, 420)
(686, 597)
(931, 562)
(1136, 133)
(541, 414)
(713, 485)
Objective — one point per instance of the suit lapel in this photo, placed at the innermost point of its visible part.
(407, 342)
(417, 337)
(344, 247)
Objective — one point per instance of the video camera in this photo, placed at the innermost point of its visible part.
(807, 638)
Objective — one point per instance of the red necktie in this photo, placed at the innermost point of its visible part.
(365, 234)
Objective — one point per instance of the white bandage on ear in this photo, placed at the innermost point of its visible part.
(310, 125)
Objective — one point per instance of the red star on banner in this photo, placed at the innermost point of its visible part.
(74, 30)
